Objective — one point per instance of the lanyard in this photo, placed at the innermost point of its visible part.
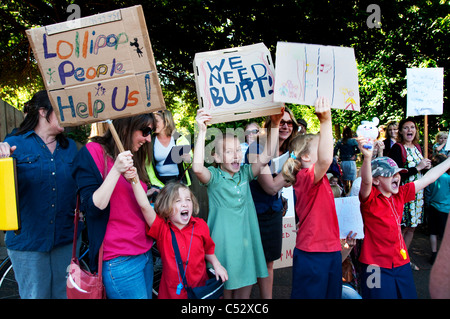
(182, 278)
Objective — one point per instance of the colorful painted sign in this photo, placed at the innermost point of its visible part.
(98, 67)
(425, 88)
(307, 71)
(236, 83)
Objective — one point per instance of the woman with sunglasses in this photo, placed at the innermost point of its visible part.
(266, 193)
(112, 213)
(171, 153)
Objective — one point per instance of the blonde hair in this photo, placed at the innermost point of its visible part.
(167, 118)
(336, 191)
(439, 135)
(299, 147)
(165, 200)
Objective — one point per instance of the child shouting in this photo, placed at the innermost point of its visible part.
(386, 273)
(175, 205)
(232, 215)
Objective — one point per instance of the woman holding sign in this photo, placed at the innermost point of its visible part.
(41, 250)
(266, 193)
(171, 153)
(113, 215)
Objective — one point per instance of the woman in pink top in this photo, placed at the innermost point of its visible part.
(113, 216)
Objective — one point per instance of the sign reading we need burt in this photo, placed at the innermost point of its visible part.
(98, 67)
(237, 83)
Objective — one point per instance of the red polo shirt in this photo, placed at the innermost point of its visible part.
(202, 245)
(318, 229)
(382, 237)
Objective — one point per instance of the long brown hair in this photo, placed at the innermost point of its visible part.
(400, 125)
(125, 128)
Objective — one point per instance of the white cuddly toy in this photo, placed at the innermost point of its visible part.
(369, 130)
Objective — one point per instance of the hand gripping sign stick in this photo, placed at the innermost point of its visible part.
(118, 142)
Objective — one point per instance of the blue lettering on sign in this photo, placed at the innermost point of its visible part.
(231, 81)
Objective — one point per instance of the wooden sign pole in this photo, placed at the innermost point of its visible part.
(118, 142)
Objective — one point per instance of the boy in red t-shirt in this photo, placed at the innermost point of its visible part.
(386, 273)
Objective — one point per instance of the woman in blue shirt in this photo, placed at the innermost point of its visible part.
(41, 250)
(347, 148)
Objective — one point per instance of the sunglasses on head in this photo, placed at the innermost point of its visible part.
(146, 131)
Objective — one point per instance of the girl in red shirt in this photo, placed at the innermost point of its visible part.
(175, 205)
(317, 264)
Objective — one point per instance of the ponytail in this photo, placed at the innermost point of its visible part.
(290, 169)
(299, 146)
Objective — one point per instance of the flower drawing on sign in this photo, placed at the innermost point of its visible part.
(289, 89)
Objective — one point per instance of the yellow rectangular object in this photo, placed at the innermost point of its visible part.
(9, 200)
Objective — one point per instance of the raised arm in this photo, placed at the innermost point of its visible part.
(432, 175)
(271, 146)
(198, 166)
(141, 197)
(366, 170)
(325, 148)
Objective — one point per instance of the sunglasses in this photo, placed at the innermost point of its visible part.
(288, 123)
(146, 131)
(251, 132)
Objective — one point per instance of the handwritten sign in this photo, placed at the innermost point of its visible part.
(237, 83)
(307, 71)
(98, 67)
(349, 216)
(425, 88)
(288, 244)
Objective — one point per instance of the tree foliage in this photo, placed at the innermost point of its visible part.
(412, 34)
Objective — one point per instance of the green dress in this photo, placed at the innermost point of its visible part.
(234, 227)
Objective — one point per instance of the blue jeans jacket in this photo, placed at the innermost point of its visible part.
(47, 194)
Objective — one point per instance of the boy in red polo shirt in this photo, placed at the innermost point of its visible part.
(386, 273)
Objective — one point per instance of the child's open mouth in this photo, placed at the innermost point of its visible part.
(184, 214)
(395, 184)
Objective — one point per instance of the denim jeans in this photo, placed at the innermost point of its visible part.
(41, 275)
(129, 277)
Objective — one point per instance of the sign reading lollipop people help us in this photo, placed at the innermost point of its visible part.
(98, 67)
(307, 71)
(236, 83)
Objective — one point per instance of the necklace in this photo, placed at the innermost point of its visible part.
(50, 142)
(398, 222)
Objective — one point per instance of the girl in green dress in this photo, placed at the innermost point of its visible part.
(232, 216)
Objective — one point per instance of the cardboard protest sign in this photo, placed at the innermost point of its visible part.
(236, 83)
(425, 87)
(349, 216)
(98, 67)
(306, 71)
(288, 244)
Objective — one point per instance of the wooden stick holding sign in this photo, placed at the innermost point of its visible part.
(118, 142)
